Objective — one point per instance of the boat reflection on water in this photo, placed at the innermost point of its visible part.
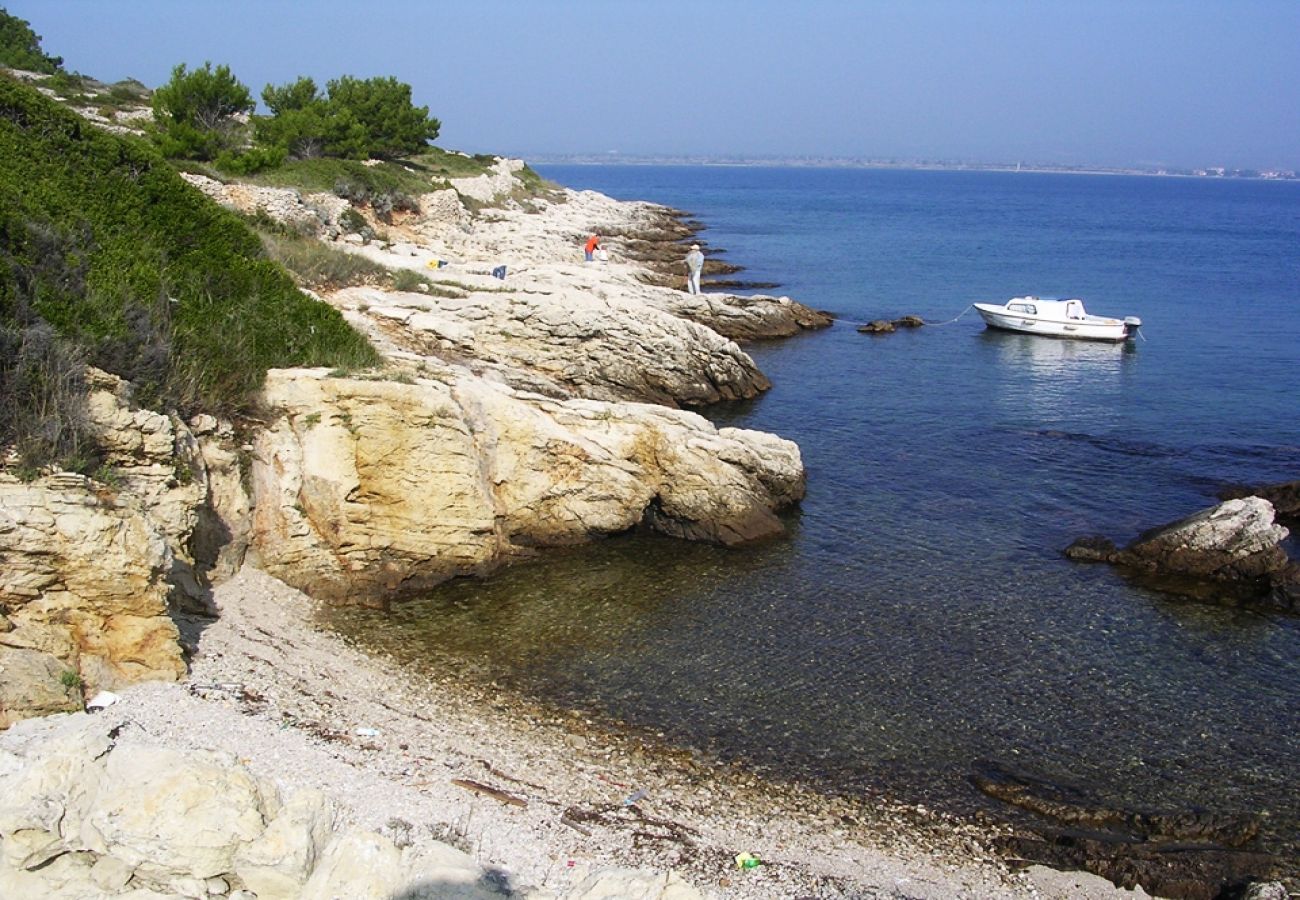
(1059, 379)
(1057, 357)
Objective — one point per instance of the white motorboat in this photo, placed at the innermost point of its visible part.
(1056, 318)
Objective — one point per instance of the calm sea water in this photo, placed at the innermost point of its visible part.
(920, 618)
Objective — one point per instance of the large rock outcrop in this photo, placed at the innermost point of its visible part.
(369, 487)
(1228, 553)
(83, 593)
(85, 813)
(566, 343)
(93, 566)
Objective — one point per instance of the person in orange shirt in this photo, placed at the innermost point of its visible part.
(593, 244)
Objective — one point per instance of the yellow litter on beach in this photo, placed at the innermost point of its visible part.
(747, 861)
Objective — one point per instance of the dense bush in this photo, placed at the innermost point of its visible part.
(356, 119)
(105, 245)
(20, 47)
(303, 123)
(394, 126)
(251, 161)
(197, 112)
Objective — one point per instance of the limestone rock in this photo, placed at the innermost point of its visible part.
(85, 582)
(566, 343)
(1285, 497)
(33, 683)
(498, 181)
(277, 864)
(366, 487)
(741, 318)
(173, 814)
(284, 205)
(1234, 545)
(369, 866)
(82, 816)
(44, 799)
(1236, 539)
(440, 210)
(877, 326)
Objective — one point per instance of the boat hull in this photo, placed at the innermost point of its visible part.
(1092, 328)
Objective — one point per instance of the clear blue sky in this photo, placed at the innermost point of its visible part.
(1109, 82)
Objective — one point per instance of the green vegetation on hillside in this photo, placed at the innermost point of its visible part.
(197, 112)
(204, 115)
(355, 119)
(20, 47)
(107, 255)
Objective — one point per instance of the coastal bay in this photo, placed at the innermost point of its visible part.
(529, 403)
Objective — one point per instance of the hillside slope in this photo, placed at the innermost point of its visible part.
(108, 255)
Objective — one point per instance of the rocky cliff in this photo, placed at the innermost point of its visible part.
(512, 414)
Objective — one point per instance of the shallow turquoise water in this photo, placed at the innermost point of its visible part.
(920, 617)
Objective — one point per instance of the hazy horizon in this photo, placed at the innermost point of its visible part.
(1104, 83)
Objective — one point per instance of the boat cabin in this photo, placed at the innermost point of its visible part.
(1033, 306)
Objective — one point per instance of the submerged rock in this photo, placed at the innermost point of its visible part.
(1190, 854)
(1229, 553)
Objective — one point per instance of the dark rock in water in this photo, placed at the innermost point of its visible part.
(1229, 553)
(1286, 588)
(1194, 854)
(1236, 540)
(887, 326)
(1093, 548)
(1285, 497)
(732, 284)
(879, 326)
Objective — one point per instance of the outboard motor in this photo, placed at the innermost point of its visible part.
(1131, 326)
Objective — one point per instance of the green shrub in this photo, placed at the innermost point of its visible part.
(356, 119)
(409, 280)
(195, 113)
(68, 85)
(382, 107)
(141, 274)
(389, 202)
(321, 267)
(43, 397)
(351, 220)
(254, 159)
(345, 176)
(20, 47)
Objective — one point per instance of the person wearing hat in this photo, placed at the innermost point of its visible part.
(694, 265)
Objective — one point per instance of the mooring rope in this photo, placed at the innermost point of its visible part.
(958, 316)
(927, 321)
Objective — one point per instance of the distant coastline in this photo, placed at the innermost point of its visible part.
(836, 162)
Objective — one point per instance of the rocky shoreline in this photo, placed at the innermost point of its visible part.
(541, 406)
(504, 798)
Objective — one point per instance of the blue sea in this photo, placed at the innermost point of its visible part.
(920, 619)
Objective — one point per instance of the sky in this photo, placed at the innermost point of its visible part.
(1186, 83)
